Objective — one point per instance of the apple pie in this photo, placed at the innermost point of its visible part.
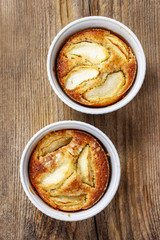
(69, 169)
(95, 67)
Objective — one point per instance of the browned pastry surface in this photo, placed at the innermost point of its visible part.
(95, 67)
(69, 169)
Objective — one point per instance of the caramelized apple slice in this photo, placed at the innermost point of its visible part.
(93, 52)
(79, 75)
(54, 144)
(61, 173)
(84, 166)
(114, 40)
(109, 88)
(117, 50)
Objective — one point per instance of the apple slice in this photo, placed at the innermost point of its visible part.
(61, 173)
(79, 75)
(84, 166)
(108, 89)
(54, 144)
(93, 52)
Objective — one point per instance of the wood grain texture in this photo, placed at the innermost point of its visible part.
(28, 103)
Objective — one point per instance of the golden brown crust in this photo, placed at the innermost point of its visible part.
(95, 49)
(69, 169)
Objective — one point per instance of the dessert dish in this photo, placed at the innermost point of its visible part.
(95, 67)
(31, 192)
(69, 170)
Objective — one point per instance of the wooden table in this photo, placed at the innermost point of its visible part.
(28, 103)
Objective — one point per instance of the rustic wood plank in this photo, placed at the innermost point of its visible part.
(28, 103)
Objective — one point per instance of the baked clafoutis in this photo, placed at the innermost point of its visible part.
(69, 170)
(95, 67)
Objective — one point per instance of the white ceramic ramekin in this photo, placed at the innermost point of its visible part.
(114, 180)
(96, 22)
